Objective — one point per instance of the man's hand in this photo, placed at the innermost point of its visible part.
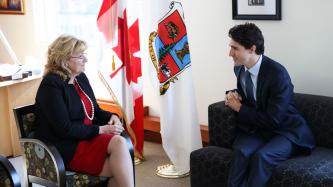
(233, 100)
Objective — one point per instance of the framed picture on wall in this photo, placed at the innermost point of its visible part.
(11, 6)
(256, 9)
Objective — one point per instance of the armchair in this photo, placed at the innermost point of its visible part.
(210, 165)
(8, 174)
(44, 164)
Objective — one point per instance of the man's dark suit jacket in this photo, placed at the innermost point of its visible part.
(274, 112)
(60, 114)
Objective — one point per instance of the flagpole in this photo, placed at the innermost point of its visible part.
(136, 159)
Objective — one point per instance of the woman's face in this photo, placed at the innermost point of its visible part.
(77, 62)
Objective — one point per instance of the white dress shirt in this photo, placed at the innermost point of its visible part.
(254, 71)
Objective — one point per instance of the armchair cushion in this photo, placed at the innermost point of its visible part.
(79, 179)
(310, 170)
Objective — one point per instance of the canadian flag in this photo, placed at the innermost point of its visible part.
(120, 68)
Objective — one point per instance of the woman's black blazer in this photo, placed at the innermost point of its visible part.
(60, 114)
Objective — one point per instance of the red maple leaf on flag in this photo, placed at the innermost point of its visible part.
(127, 50)
(128, 45)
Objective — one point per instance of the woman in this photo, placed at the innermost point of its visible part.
(68, 116)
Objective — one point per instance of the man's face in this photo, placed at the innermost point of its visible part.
(240, 55)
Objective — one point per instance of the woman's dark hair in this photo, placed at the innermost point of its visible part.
(247, 35)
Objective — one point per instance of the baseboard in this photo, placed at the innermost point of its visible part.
(152, 129)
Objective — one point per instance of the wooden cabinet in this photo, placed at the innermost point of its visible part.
(12, 94)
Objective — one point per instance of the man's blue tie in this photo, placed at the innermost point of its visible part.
(249, 87)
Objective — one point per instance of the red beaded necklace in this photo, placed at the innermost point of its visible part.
(84, 106)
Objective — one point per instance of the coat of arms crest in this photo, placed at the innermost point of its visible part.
(170, 44)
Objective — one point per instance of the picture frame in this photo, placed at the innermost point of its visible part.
(256, 9)
(12, 7)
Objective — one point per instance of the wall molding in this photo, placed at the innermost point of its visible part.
(152, 129)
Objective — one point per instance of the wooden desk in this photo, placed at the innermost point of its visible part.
(13, 94)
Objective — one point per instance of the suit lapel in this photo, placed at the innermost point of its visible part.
(261, 79)
(238, 72)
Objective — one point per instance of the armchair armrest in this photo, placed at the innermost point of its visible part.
(44, 163)
(221, 124)
(8, 174)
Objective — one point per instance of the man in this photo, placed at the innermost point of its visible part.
(270, 130)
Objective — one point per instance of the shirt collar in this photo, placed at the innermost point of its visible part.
(254, 70)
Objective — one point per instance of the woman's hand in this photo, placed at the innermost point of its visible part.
(114, 126)
(114, 120)
(111, 129)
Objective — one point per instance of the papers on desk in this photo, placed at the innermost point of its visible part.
(9, 69)
(10, 72)
(15, 71)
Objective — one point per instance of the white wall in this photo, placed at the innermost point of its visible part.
(20, 33)
(301, 41)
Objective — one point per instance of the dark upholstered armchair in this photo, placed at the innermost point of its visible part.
(8, 174)
(44, 164)
(210, 165)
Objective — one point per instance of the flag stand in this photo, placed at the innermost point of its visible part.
(137, 161)
(170, 171)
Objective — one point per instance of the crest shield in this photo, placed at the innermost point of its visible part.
(170, 44)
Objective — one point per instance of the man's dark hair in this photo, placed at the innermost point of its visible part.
(247, 35)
